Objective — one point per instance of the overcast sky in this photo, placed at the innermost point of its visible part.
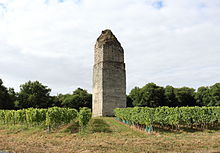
(168, 42)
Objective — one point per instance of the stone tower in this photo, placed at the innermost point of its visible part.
(109, 80)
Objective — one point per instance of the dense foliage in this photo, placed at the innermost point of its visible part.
(152, 95)
(202, 117)
(208, 96)
(33, 94)
(6, 97)
(79, 98)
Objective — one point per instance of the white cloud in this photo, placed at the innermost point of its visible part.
(53, 42)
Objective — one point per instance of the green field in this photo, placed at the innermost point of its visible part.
(106, 135)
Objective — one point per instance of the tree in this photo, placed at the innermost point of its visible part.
(215, 95)
(12, 95)
(79, 98)
(33, 94)
(170, 97)
(202, 96)
(150, 95)
(6, 101)
(135, 96)
(55, 101)
(185, 96)
(208, 96)
(129, 102)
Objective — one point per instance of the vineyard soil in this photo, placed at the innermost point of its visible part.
(118, 138)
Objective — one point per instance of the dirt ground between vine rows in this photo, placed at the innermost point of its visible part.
(120, 138)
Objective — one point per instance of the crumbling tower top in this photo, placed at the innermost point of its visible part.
(107, 37)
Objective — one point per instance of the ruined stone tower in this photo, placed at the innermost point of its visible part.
(109, 80)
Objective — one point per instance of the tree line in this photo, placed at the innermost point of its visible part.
(35, 94)
(152, 95)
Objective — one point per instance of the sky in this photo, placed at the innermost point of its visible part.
(168, 42)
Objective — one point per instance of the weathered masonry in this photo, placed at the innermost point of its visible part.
(109, 79)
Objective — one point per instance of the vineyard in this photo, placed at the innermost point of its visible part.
(51, 117)
(174, 117)
(25, 130)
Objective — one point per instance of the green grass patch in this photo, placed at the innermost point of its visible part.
(98, 125)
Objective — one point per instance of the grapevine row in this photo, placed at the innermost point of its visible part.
(201, 117)
(51, 117)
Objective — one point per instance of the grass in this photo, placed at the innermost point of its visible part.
(106, 135)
